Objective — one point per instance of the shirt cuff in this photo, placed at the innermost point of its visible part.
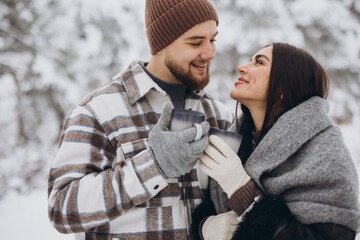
(149, 175)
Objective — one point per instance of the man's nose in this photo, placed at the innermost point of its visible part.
(208, 51)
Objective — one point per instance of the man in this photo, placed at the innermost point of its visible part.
(119, 172)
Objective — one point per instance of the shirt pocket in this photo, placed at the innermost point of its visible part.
(170, 195)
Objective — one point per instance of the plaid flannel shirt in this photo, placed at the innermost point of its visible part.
(104, 181)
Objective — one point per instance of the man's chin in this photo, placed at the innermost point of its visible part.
(197, 84)
(193, 81)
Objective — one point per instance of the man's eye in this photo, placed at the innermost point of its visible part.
(195, 44)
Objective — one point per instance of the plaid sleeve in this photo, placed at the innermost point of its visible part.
(89, 183)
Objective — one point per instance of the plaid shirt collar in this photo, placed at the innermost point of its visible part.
(138, 83)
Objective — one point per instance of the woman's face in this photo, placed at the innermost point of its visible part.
(252, 86)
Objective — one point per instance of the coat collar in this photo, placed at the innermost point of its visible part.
(290, 132)
(138, 83)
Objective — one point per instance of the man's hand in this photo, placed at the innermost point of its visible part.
(176, 152)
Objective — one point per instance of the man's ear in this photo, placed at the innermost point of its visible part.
(159, 53)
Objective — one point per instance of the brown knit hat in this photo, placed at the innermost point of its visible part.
(166, 20)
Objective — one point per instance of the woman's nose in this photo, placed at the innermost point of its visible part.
(241, 69)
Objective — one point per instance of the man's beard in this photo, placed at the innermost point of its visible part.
(186, 77)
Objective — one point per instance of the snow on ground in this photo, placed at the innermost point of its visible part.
(25, 216)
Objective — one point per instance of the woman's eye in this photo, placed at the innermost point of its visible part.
(195, 44)
(257, 61)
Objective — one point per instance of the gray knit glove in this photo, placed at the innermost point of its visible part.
(176, 152)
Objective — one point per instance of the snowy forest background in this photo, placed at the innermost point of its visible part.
(54, 52)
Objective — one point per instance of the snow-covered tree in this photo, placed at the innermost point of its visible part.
(53, 52)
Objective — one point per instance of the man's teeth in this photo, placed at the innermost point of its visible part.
(199, 65)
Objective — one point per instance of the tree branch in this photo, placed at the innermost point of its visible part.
(17, 40)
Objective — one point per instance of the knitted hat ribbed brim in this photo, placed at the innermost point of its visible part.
(166, 20)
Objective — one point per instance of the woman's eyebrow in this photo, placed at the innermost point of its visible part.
(260, 56)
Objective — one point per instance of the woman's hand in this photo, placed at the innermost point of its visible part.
(220, 227)
(222, 164)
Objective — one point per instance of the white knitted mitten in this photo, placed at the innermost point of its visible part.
(220, 227)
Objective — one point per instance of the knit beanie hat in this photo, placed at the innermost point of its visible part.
(166, 20)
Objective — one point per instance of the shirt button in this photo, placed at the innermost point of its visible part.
(156, 187)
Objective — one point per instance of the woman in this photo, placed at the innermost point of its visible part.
(293, 177)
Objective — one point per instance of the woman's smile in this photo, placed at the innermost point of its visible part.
(241, 80)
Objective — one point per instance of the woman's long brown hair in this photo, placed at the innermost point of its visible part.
(295, 77)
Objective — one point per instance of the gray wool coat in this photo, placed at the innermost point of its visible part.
(304, 159)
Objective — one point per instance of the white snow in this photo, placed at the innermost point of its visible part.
(24, 216)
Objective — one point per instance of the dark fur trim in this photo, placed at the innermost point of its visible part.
(204, 210)
(263, 219)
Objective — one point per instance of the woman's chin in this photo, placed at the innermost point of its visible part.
(235, 95)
